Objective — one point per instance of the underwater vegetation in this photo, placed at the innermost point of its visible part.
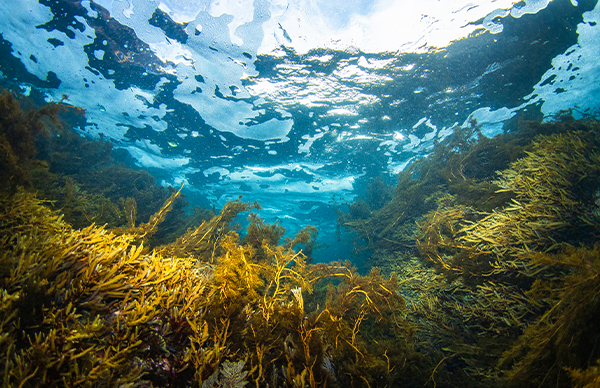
(112, 305)
(18, 132)
(42, 153)
(496, 243)
(488, 271)
(457, 166)
(88, 307)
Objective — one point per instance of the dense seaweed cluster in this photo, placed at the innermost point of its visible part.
(505, 279)
(89, 307)
(488, 246)
(113, 305)
(41, 153)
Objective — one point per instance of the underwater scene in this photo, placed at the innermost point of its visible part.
(308, 193)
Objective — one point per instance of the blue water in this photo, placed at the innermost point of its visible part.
(294, 106)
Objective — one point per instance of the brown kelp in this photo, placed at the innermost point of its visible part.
(87, 307)
(489, 277)
(564, 340)
(505, 282)
(525, 277)
(19, 129)
(458, 167)
(42, 153)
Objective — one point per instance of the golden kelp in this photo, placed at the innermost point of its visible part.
(518, 264)
(496, 277)
(88, 308)
(566, 337)
(458, 167)
(204, 242)
(554, 190)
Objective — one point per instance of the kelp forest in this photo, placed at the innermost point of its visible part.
(107, 281)
(484, 270)
(495, 243)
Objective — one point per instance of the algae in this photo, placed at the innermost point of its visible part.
(488, 254)
(494, 240)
